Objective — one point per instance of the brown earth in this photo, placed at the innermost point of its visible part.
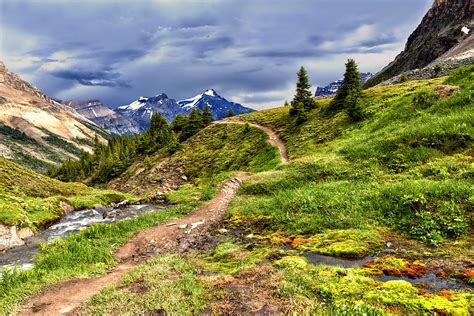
(178, 236)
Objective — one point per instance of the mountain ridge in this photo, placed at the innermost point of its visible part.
(36, 130)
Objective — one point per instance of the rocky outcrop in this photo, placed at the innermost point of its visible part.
(10, 237)
(440, 69)
(440, 31)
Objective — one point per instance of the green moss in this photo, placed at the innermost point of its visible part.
(230, 258)
(399, 293)
(291, 262)
(350, 243)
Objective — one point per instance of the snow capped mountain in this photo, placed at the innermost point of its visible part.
(143, 108)
(218, 105)
(135, 117)
(332, 88)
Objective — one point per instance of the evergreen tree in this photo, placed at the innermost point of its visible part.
(353, 106)
(286, 103)
(194, 124)
(303, 94)
(207, 115)
(297, 110)
(230, 113)
(351, 85)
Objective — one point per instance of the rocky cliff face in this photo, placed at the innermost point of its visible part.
(439, 32)
(37, 131)
(104, 117)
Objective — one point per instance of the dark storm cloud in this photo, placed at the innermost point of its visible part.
(93, 49)
(92, 78)
(382, 39)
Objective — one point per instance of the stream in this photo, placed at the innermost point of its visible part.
(71, 223)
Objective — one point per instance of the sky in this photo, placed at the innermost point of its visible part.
(247, 50)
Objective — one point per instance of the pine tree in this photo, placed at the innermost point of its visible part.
(286, 103)
(230, 113)
(297, 110)
(207, 115)
(303, 94)
(353, 106)
(351, 85)
(194, 124)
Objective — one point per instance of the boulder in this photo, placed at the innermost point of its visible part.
(9, 237)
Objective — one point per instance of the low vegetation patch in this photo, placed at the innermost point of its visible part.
(83, 254)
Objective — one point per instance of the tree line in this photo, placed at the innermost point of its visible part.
(348, 98)
(109, 160)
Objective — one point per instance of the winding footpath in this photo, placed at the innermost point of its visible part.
(181, 235)
(273, 138)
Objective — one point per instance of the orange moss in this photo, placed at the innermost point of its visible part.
(390, 265)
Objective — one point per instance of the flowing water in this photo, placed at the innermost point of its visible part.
(71, 223)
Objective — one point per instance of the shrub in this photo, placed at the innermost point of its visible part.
(425, 99)
(403, 77)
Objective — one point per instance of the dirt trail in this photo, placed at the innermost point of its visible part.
(273, 138)
(177, 236)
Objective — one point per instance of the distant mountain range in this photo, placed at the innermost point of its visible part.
(103, 116)
(332, 88)
(135, 117)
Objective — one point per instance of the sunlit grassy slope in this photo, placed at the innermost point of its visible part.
(408, 165)
(29, 199)
(205, 159)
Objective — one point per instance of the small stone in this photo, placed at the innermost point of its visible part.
(184, 178)
(223, 230)
(249, 236)
(152, 241)
(196, 224)
(389, 244)
(183, 226)
(170, 224)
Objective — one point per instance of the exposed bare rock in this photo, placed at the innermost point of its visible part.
(9, 237)
(439, 37)
(33, 125)
(105, 117)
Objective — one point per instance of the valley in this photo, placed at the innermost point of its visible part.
(271, 241)
(353, 198)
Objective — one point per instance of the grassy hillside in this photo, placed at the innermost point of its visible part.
(216, 150)
(397, 185)
(408, 165)
(403, 174)
(30, 199)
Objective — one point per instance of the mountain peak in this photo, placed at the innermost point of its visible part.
(211, 93)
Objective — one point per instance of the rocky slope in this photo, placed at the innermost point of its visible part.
(444, 33)
(37, 131)
(97, 112)
(332, 88)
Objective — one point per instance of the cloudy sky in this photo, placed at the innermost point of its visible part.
(248, 51)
